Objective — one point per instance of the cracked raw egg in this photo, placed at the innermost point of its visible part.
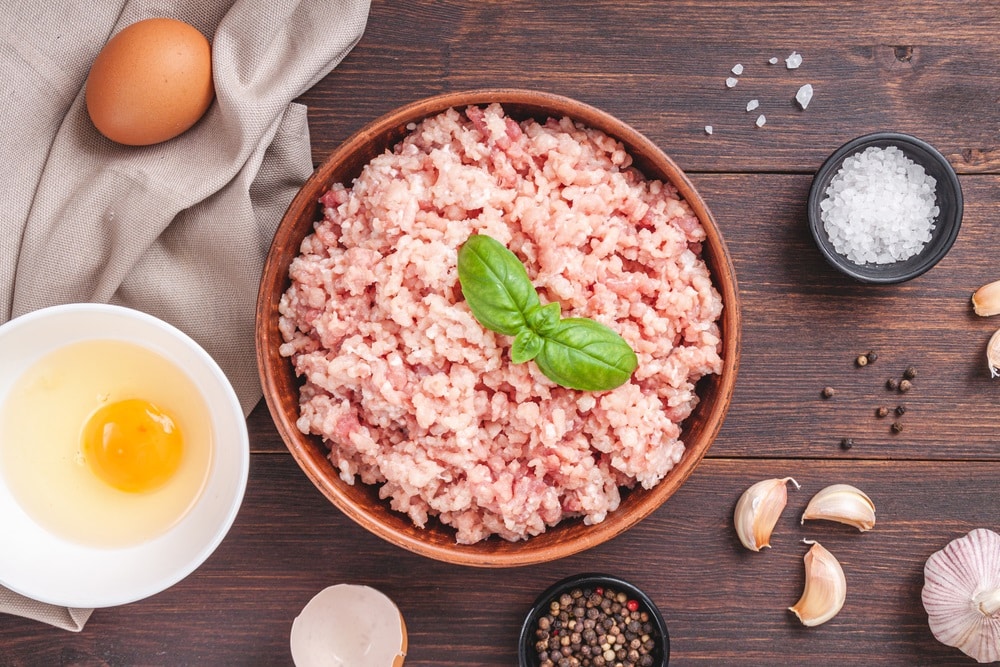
(105, 442)
(151, 82)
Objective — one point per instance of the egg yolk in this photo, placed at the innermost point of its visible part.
(132, 445)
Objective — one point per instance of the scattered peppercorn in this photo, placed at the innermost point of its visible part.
(910, 373)
(828, 392)
(604, 627)
(881, 411)
(872, 356)
(900, 410)
(846, 443)
(892, 384)
(905, 386)
(862, 360)
(897, 427)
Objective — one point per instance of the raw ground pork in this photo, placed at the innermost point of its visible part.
(410, 392)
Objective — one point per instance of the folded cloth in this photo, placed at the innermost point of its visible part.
(179, 229)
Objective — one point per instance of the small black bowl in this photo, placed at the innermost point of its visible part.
(528, 657)
(949, 201)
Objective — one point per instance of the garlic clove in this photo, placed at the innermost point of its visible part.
(961, 594)
(825, 589)
(843, 503)
(986, 299)
(758, 509)
(993, 354)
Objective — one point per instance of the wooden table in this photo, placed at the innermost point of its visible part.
(926, 68)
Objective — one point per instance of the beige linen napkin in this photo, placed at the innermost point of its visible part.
(179, 229)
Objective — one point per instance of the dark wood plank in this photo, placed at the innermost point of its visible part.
(723, 604)
(922, 69)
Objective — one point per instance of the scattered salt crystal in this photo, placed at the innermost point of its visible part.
(761, 120)
(804, 95)
(752, 104)
(737, 69)
(879, 207)
(708, 129)
(793, 61)
(731, 81)
(773, 61)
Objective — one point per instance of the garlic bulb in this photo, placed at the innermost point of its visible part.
(993, 354)
(825, 589)
(962, 594)
(758, 510)
(843, 503)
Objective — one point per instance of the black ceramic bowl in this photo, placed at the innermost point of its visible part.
(949, 201)
(528, 656)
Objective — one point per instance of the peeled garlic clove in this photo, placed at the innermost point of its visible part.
(757, 511)
(986, 299)
(843, 503)
(993, 354)
(825, 589)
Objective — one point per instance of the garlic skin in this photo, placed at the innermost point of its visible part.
(961, 594)
(993, 354)
(842, 503)
(986, 299)
(825, 589)
(758, 509)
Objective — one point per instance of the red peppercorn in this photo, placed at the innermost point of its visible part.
(633, 605)
(599, 590)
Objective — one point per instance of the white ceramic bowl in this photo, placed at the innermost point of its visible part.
(40, 565)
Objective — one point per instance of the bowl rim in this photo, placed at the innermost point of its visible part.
(581, 581)
(267, 336)
(121, 575)
(828, 169)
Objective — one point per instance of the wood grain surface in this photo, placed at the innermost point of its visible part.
(922, 67)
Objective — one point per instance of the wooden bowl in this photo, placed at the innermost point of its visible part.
(361, 501)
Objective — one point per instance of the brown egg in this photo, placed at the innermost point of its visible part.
(150, 82)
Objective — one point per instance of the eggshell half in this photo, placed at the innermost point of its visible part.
(349, 625)
(151, 82)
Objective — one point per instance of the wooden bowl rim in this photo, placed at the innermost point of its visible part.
(309, 451)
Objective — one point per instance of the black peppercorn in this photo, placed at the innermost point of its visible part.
(905, 386)
(828, 392)
(892, 384)
(871, 356)
(910, 373)
(594, 628)
(900, 410)
(846, 443)
(881, 411)
(897, 427)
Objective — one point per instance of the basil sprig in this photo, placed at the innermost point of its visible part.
(575, 352)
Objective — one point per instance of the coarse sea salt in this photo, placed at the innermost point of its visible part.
(793, 61)
(752, 104)
(879, 208)
(737, 69)
(731, 81)
(804, 95)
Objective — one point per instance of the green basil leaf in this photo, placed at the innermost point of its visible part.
(545, 319)
(583, 354)
(526, 346)
(495, 285)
